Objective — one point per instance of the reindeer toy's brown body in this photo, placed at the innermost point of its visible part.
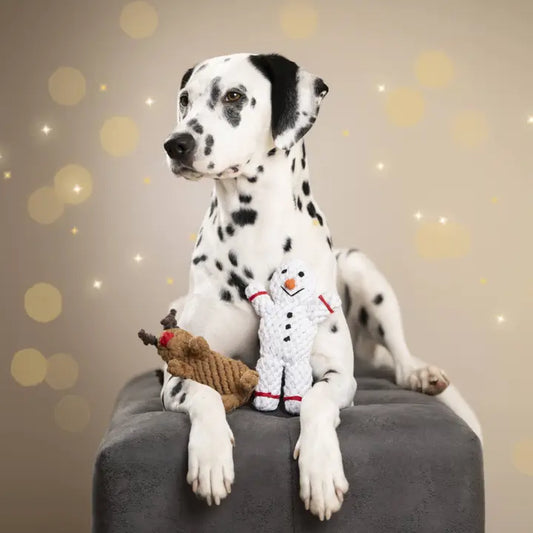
(191, 357)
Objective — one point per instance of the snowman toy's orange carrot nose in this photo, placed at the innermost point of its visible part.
(290, 284)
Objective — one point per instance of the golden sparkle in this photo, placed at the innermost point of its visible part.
(530, 119)
(138, 258)
(97, 284)
(443, 220)
(74, 230)
(316, 222)
(170, 281)
(380, 166)
(103, 87)
(494, 199)
(418, 215)
(147, 181)
(149, 102)
(483, 281)
(500, 319)
(46, 129)
(346, 133)
(192, 237)
(7, 175)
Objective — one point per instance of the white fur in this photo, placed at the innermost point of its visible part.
(231, 328)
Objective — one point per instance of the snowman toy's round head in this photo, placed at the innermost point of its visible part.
(293, 282)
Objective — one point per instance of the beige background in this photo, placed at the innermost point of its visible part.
(439, 92)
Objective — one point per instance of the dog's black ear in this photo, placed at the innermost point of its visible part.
(296, 96)
(186, 78)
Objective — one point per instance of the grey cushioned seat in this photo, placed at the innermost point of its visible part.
(413, 466)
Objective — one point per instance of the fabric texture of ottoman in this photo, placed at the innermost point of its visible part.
(413, 467)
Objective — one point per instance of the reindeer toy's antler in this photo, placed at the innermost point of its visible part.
(147, 338)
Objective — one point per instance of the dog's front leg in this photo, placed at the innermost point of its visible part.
(211, 440)
(322, 480)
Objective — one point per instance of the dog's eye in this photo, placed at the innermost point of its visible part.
(301, 274)
(232, 96)
(184, 100)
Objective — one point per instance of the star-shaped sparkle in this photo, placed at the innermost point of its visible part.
(443, 220)
(77, 189)
(381, 88)
(74, 230)
(138, 258)
(46, 129)
(418, 215)
(500, 319)
(97, 284)
(149, 102)
(103, 87)
(7, 174)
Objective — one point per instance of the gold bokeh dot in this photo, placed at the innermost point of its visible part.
(119, 136)
(138, 19)
(72, 413)
(73, 184)
(404, 106)
(523, 456)
(66, 86)
(298, 19)
(44, 206)
(43, 302)
(441, 241)
(434, 69)
(62, 371)
(28, 367)
(470, 129)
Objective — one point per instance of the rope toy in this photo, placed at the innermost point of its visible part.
(289, 318)
(191, 357)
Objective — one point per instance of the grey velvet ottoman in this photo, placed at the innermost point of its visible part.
(413, 466)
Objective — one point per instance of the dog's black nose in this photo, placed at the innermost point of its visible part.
(180, 146)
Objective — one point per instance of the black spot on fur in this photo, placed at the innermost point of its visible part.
(232, 112)
(207, 150)
(271, 152)
(311, 209)
(160, 376)
(303, 162)
(244, 216)
(289, 315)
(186, 78)
(227, 59)
(235, 280)
(363, 316)
(381, 331)
(287, 339)
(211, 165)
(252, 179)
(220, 233)
(293, 165)
(287, 326)
(230, 230)
(320, 219)
(177, 387)
(199, 259)
(378, 299)
(252, 102)
(245, 198)
(334, 328)
(303, 150)
(225, 295)
(299, 204)
(209, 140)
(219, 265)
(306, 188)
(352, 251)
(199, 241)
(260, 168)
(183, 396)
(248, 273)
(232, 258)
(215, 93)
(330, 242)
(347, 300)
(288, 245)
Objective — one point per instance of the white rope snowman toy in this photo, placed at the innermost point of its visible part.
(290, 315)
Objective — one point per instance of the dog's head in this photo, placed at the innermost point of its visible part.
(234, 107)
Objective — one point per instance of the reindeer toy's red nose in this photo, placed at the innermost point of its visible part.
(165, 337)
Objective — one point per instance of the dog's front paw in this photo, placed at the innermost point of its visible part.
(429, 380)
(211, 471)
(322, 480)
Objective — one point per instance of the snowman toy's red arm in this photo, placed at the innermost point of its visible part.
(259, 298)
(325, 305)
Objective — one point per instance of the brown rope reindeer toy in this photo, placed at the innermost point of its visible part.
(191, 357)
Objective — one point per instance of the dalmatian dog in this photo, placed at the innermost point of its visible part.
(241, 121)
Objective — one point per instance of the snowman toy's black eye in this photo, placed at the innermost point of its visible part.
(283, 271)
(301, 274)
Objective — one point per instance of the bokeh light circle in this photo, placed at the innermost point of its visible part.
(72, 413)
(470, 129)
(139, 19)
(442, 241)
(119, 136)
(66, 86)
(434, 69)
(44, 206)
(43, 302)
(73, 184)
(523, 456)
(28, 367)
(299, 20)
(404, 106)
(62, 372)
